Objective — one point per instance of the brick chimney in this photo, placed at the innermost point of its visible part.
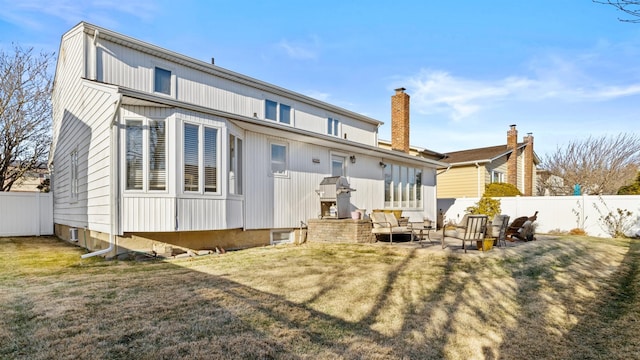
(512, 160)
(528, 165)
(400, 121)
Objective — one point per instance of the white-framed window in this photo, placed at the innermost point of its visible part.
(402, 187)
(281, 236)
(134, 155)
(200, 158)
(157, 145)
(279, 159)
(235, 165)
(277, 112)
(73, 167)
(333, 126)
(497, 176)
(338, 167)
(162, 80)
(145, 155)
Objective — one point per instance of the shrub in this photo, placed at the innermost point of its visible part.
(485, 206)
(633, 189)
(500, 190)
(577, 231)
(616, 223)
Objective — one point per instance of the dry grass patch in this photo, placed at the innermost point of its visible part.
(571, 297)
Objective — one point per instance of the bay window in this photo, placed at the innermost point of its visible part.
(200, 159)
(145, 155)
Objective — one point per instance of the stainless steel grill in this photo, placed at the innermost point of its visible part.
(335, 197)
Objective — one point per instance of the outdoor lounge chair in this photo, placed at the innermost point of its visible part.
(472, 228)
(387, 224)
(515, 228)
(498, 229)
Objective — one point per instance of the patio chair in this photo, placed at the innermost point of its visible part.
(472, 228)
(498, 229)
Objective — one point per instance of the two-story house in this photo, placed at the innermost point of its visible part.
(468, 171)
(150, 145)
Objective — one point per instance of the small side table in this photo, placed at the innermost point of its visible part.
(420, 230)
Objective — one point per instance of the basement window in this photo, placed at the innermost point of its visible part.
(281, 237)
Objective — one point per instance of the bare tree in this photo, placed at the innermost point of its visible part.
(25, 113)
(630, 7)
(600, 165)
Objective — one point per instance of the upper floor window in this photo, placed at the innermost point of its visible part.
(332, 126)
(497, 176)
(277, 112)
(162, 81)
(278, 159)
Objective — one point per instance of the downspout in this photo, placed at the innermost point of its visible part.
(94, 49)
(478, 180)
(115, 180)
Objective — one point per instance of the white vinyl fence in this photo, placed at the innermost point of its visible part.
(557, 212)
(26, 214)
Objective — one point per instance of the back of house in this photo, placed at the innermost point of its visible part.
(152, 146)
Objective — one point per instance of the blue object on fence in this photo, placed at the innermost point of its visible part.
(576, 189)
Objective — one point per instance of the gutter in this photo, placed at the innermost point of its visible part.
(115, 170)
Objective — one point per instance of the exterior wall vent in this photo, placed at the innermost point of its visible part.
(73, 234)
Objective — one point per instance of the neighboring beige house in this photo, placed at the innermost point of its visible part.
(470, 170)
(30, 181)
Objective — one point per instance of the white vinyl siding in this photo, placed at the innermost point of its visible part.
(131, 68)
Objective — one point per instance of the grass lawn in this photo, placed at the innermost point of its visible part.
(555, 298)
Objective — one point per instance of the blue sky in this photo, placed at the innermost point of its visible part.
(562, 70)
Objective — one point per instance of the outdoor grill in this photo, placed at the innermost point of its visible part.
(335, 197)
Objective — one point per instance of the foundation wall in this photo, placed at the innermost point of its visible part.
(146, 242)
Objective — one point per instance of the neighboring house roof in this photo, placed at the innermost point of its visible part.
(481, 155)
(415, 150)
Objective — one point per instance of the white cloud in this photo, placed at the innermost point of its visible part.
(554, 79)
(301, 51)
(24, 12)
(319, 95)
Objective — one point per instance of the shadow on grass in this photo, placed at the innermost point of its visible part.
(566, 311)
(153, 311)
